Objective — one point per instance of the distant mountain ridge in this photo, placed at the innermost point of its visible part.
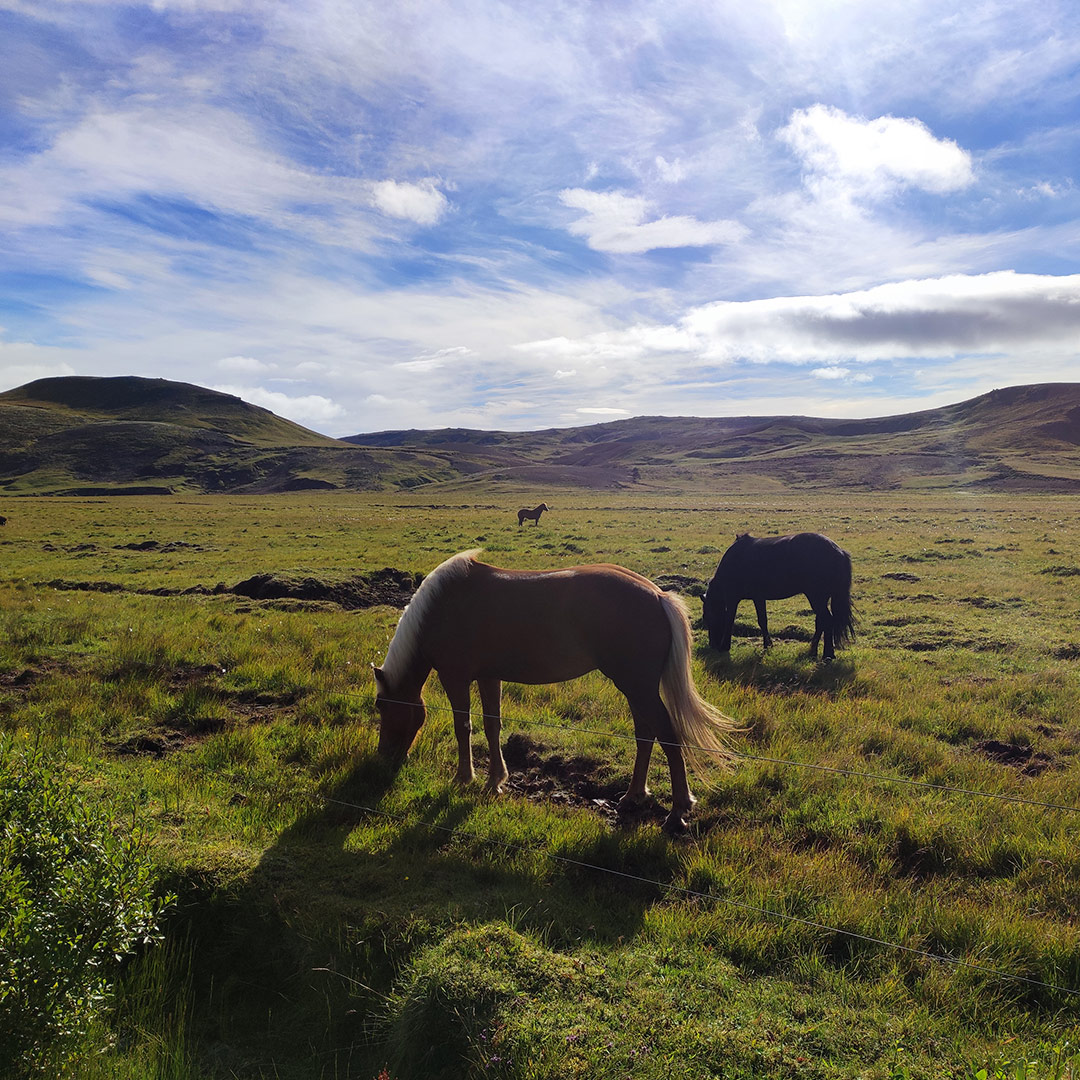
(83, 435)
(1017, 437)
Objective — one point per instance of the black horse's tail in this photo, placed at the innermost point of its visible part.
(843, 610)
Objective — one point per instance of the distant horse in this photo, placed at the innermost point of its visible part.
(534, 514)
(477, 623)
(3, 520)
(775, 567)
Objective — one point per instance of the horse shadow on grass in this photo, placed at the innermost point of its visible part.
(781, 669)
(296, 964)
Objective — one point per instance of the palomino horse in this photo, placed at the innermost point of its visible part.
(477, 623)
(775, 567)
(533, 515)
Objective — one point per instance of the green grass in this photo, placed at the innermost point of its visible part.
(336, 921)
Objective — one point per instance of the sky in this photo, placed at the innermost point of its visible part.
(416, 214)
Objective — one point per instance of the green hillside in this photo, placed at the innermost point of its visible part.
(144, 436)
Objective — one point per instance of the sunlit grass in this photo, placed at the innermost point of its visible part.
(241, 735)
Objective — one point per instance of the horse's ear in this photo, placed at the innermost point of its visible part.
(380, 679)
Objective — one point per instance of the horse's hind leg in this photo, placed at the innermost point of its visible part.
(651, 721)
(457, 690)
(491, 703)
(823, 625)
(763, 622)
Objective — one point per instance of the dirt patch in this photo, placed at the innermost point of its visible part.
(1070, 651)
(945, 640)
(680, 583)
(20, 680)
(386, 586)
(902, 575)
(584, 782)
(1017, 755)
(156, 545)
(290, 590)
(151, 744)
(82, 586)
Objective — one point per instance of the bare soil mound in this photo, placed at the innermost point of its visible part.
(386, 586)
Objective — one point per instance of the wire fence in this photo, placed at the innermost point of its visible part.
(698, 894)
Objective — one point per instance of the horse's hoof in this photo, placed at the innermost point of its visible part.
(675, 824)
(631, 804)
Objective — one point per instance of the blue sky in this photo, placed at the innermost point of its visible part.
(520, 215)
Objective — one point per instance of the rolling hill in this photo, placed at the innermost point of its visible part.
(85, 435)
(131, 435)
(1022, 437)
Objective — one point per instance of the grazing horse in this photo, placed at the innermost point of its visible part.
(533, 514)
(775, 567)
(473, 622)
(3, 520)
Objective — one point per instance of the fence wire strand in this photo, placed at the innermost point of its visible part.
(699, 894)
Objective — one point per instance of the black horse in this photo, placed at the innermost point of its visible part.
(775, 567)
(533, 515)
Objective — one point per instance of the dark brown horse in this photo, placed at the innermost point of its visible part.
(775, 567)
(533, 515)
(477, 623)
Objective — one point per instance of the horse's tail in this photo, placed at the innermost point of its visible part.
(843, 609)
(700, 727)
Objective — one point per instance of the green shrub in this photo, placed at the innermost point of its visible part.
(76, 896)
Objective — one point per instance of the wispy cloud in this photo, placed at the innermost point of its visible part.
(616, 223)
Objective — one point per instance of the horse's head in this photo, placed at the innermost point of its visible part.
(401, 715)
(712, 611)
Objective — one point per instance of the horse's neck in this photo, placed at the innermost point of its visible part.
(409, 679)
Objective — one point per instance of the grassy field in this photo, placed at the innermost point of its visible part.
(333, 920)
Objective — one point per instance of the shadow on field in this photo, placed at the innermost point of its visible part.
(294, 965)
(776, 670)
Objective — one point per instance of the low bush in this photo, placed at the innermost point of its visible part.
(76, 896)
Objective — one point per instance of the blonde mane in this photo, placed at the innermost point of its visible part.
(406, 637)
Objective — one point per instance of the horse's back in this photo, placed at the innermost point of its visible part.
(775, 567)
(538, 626)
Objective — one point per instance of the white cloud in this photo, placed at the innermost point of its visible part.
(615, 223)
(422, 203)
(873, 157)
(601, 411)
(311, 410)
(432, 361)
(246, 365)
(670, 172)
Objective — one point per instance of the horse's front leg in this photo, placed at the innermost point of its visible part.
(763, 622)
(491, 703)
(730, 611)
(457, 690)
